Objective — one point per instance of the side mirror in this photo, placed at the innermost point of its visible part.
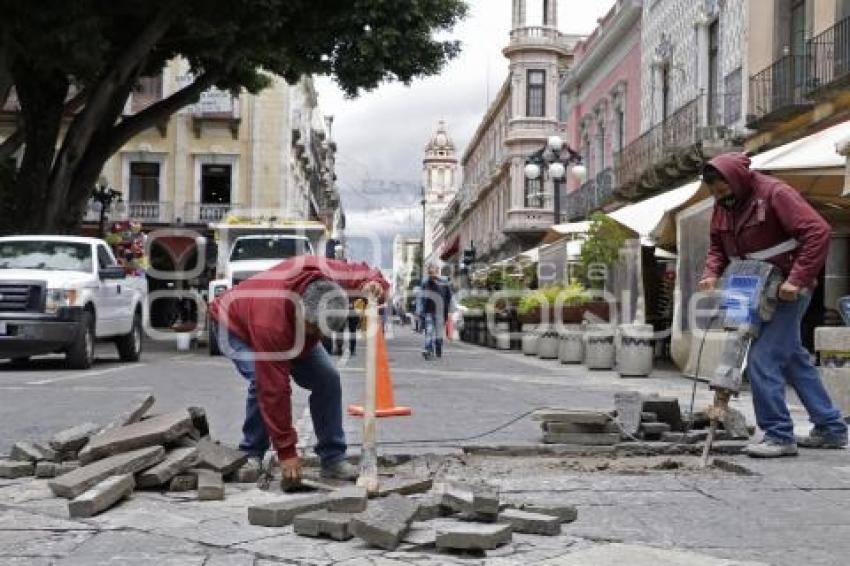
(112, 272)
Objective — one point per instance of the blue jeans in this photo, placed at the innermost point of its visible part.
(778, 357)
(434, 326)
(314, 372)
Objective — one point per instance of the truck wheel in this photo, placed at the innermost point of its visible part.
(212, 338)
(130, 345)
(80, 354)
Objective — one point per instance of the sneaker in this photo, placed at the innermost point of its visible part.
(341, 470)
(426, 354)
(769, 448)
(818, 438)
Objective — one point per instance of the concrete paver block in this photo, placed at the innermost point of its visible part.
(473, 536)
(562, 428)
(46, 469)
(175, 462)
(429, 508)
(584, 439)
(571, 416)
(281, 513)
(666, 408)
(405, 486)
(735, 424)
(133, 414)
(210, 486)
(72, 439)
(352, 499)
(566, 513)
(183, 482)
(49, 453)
(654, 430)
(531, 523)
(102, 496)
(249, 472)
(647, 417)
(26, 452)
(385, 521)
(12, 469)
(218, 457)
(323, 523)
(629, 405)
(149, 432)
(74, 483)
(68, 466)
(478, 502)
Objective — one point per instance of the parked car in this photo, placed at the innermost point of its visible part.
(62, 294)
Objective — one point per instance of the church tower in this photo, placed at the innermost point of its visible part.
(439, 181)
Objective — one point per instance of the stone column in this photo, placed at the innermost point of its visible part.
(519, 13)
(550, 16)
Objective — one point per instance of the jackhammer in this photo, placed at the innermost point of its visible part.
(748, 293)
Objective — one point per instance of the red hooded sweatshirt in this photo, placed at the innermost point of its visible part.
(259, 315)
(768, 212)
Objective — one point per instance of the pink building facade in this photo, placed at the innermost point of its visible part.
(600, 104)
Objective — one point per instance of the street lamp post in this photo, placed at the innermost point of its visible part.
(422, 247)
(104, 195)
(553, 160)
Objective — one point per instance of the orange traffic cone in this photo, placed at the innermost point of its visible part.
(384, 402)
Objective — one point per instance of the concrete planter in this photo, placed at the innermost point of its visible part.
(571, 346)
(599, 347)
(503, 335)
(635, 351)
(530, 339)
(547, 347)
(837, 383)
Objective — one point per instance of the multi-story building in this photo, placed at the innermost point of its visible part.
(600, 105)
(693, 59)
(261, 155)
(498, 212)
(407, 259)
(439, 181)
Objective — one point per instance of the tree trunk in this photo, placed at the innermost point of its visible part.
(42, 100)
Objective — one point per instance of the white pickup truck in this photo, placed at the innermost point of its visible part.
(61, 294)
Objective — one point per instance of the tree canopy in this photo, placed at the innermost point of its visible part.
(80, 60)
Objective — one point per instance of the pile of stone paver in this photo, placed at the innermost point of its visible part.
(95, 467)
(453, 516)
(636, 418)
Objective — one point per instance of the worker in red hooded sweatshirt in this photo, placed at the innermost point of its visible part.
(270, 326)
(757, 216)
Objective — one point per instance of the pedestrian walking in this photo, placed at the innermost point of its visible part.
(273, 323)
(435, 301)
(758, 214)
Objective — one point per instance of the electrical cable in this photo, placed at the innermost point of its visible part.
(711, 322)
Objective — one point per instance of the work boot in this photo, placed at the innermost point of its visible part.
(818, 438)
(769, 448)
(341, 470)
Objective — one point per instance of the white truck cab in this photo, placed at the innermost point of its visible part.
(61, 294)
(244, 250)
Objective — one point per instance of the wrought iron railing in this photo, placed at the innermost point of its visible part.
(679, 131)
(783, 85)
(592, 195)
(829, 60)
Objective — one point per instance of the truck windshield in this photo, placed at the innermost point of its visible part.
(268, 248)
(50, 256)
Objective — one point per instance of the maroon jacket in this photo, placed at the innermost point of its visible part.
(257, 314)
(768, 213)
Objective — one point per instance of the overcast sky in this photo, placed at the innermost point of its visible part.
(381, 135)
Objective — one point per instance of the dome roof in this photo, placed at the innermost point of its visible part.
(440, 141)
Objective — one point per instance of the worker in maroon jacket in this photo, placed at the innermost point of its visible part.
(273, 323)
(757, 216)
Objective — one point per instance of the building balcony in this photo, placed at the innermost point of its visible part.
(540, 37)
(216, 108)
(528, 220)
(671, 151)
(204, 213)
(780, 92)
(593, 195)
(151, 212)
(830, 61)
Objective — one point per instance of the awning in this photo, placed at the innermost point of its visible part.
(450, 248)
(642, 217)
(558, 231)
(811, 165)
